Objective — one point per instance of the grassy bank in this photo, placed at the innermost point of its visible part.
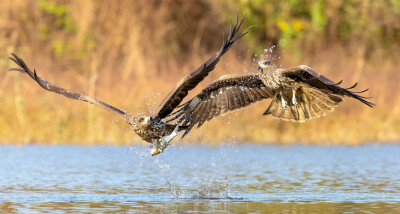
(130, 54)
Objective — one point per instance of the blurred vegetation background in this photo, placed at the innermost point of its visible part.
(131, 53)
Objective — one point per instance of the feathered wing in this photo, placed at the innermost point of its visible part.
(307, 75)
(179, 92)
(311, 103)
(315, 95)
(228, 93)
(69, 94)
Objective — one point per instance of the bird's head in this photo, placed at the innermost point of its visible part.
(145, 121)
(265, 64)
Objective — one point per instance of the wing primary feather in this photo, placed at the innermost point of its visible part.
(180, 109)
(198, 111)
(232, 100)
(242, 97)
(235, 98)
(246, 97)
(220, 104)
(205, 114)
(69, 94)
(227, 100)
(212, 109)
(338, 83)
(359, 92)
(353, 86)
(178, 114)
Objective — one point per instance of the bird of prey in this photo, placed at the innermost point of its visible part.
(151, 128)
(298, 94)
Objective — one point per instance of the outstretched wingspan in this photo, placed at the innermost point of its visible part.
(70, 94)
(228, 93)
(179, 92)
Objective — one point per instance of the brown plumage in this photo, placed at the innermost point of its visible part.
(151, 128)
(298, 94)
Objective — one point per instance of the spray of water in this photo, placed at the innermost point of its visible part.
(271, 52)
(191, 172)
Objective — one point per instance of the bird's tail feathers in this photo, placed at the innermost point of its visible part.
(311, 103)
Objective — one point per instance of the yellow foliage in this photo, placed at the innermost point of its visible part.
(297, 25)
(283, 26)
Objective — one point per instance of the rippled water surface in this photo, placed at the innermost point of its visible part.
(248, 178)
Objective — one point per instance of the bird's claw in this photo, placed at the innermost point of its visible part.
(163, 142)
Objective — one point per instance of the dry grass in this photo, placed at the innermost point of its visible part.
(132, 53)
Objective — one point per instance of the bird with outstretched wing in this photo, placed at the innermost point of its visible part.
(298, 94)
(151, 128)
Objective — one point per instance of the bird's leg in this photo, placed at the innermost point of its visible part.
(171, 136)
(163, 142)
(283, 101)
(294, 98)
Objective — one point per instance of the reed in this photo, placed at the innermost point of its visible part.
(131, 53)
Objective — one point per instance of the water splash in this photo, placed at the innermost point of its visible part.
(202, 176)
(271, 52)
(151, 104)
(213, 190)
(142, 155)
(169, 174)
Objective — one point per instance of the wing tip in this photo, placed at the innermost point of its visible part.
(23, 67)
(355, 95)
(234, 35)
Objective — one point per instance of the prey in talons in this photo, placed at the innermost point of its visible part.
(163, 142)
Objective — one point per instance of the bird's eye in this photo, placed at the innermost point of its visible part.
(141, 119)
